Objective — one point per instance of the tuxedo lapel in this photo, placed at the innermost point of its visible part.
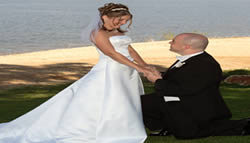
(173, 69)
(173, 65)
(170, 68)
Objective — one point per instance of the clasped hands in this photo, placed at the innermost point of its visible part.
(151, 73)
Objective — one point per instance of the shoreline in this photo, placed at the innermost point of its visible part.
(218, 47)
(144, 42)
(64, 65)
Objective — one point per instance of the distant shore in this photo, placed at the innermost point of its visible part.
(231, 53)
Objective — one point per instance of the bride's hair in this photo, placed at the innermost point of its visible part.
(115, 10)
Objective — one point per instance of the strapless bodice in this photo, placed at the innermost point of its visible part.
(120, 43)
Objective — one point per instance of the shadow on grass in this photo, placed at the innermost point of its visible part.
(18, 75)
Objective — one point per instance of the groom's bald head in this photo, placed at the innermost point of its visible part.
(196, 41)
(188, 43)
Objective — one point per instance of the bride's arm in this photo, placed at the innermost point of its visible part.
(102, 42)
(136, 56)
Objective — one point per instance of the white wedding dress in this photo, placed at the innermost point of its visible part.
(102, 107)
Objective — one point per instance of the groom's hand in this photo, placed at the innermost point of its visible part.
(153, 75)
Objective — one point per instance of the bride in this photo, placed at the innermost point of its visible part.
(101, 107)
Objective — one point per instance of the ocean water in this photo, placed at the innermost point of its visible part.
(35, 25)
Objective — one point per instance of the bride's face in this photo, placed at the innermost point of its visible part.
(115, 22)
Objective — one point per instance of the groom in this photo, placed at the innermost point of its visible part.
(187, 102)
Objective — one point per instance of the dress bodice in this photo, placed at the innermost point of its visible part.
(120, 44)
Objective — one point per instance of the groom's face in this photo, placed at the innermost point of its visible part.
(176, 45)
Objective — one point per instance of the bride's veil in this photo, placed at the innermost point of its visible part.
(90, 31)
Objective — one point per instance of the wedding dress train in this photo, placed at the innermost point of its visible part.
(102, 107)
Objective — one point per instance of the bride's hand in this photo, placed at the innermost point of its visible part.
(150, 67)
(145, 70)
(153, 70)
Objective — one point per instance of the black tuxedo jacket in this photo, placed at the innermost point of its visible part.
(196, 83)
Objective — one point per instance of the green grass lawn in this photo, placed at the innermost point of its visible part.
(15, 102)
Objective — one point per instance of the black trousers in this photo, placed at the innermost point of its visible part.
(158, 114)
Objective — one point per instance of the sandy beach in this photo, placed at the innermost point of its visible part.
(64, 65)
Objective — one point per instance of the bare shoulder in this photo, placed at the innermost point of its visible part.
(101, 35)
(102, 41)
